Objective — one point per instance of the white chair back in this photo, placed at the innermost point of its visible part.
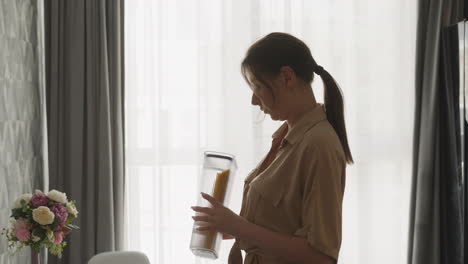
(119, 257)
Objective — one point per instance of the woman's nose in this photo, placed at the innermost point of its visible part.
(255, 100)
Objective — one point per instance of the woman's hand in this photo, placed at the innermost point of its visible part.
(218, 217)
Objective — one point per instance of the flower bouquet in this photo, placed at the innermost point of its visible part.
(41, 221)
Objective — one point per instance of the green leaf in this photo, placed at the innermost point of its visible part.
(73, 226)
(70, 218)
(39, 232)
(17, 213)
(56, 221)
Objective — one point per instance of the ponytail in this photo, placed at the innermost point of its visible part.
(266, 57)
(334, 107)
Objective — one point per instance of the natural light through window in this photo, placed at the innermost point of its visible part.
(185, 95)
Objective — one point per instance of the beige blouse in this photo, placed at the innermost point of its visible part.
(297, 189)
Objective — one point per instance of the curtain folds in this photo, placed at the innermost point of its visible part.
(85, 113)
(435, 233)
(451, 186)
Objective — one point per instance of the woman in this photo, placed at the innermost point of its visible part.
(292, 202)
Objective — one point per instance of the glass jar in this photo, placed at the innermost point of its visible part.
(217, 178)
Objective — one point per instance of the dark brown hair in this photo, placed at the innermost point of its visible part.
(266, 57)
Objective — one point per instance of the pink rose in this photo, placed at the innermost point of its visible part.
(22, 229)
(58, 237)
(59, 227)
(39, 199)
(60, 212)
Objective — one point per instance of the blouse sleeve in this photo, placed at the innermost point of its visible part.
(322, 197)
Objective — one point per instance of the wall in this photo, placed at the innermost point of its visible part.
(21, 158)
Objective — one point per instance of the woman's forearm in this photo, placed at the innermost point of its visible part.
(287, 247)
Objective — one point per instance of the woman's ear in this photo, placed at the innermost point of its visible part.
(288, 76)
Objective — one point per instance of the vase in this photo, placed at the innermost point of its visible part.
(35, 257)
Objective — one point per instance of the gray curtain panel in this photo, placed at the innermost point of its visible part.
(451, 184)
(433, 174)
(85, 100)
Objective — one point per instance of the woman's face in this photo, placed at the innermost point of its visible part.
(262, 95)
(283, 97)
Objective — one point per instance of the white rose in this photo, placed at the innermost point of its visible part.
(71, 208)
(57, 196)
(43, 215)
(24, 196)
(35, 238)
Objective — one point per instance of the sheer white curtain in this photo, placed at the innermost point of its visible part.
(185, 94)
